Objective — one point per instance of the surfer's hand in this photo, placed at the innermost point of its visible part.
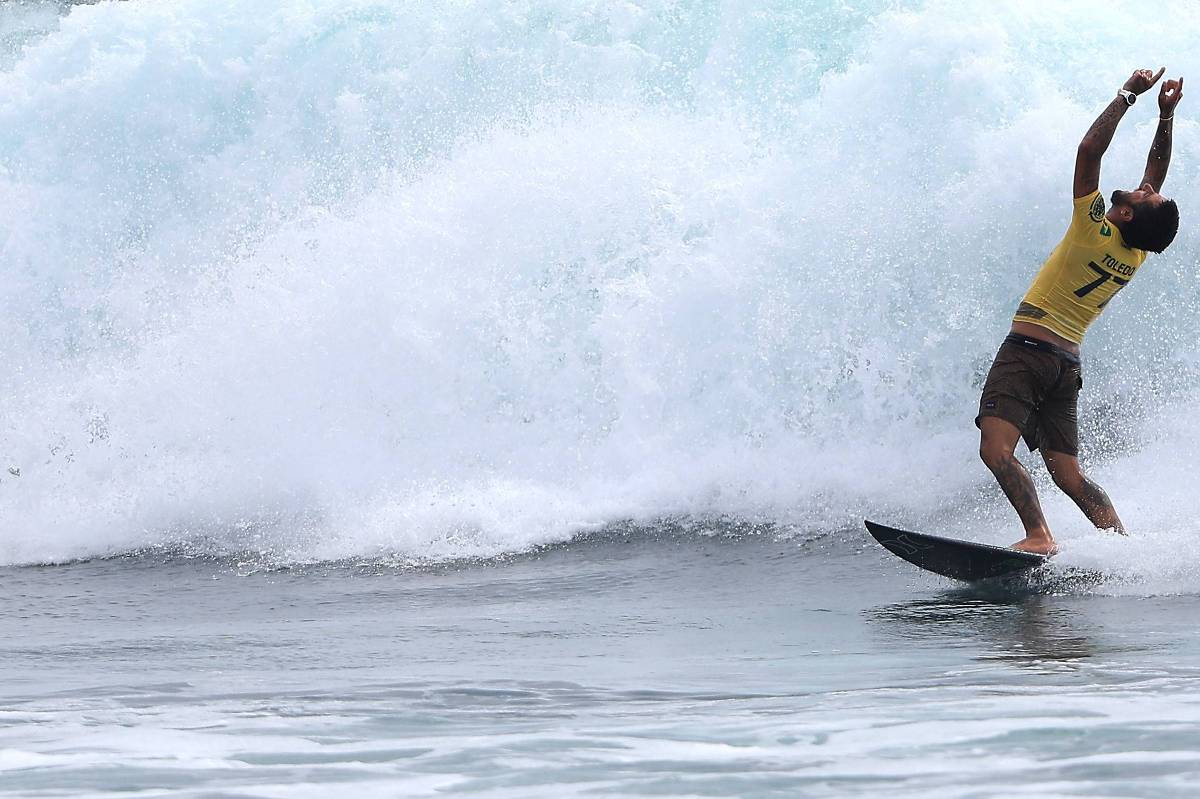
(1142, 79)
(1169, 95)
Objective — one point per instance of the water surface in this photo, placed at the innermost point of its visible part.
(630, 665)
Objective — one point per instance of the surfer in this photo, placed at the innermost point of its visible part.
(1032, 389)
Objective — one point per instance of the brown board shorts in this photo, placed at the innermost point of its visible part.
(1035, 386)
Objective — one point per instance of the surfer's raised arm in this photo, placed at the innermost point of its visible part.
(1099, 136)
(1169, 95)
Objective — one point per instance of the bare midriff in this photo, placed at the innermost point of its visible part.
(1044, 334)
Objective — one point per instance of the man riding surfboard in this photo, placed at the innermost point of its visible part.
(1032, 389)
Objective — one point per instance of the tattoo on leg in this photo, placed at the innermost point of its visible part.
(1093, 495)
(1018, 487)
(1096, 505)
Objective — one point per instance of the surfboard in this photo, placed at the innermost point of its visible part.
(949, 557)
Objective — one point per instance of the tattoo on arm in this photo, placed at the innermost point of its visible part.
(1100, 134)
(1091, 149)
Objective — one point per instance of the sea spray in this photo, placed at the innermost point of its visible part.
(353, 279)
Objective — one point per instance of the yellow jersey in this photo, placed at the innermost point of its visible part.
(1087, 268)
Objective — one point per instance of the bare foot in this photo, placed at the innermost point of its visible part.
(1038, 546)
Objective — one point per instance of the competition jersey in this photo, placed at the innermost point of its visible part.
(1088, 267)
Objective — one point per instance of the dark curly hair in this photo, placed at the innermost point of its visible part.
(1152, 228)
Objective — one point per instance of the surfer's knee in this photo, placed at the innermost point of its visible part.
(993, 452)
(997, 442)
(1065, 471)
(1069, 478)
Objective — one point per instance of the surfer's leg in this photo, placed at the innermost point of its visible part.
(1090, 497)
(997, 443)
(1059, 419)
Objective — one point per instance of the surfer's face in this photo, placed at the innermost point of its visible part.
(1148, 220)
(1142, 197)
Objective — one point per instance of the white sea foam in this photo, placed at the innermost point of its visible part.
(346, 279)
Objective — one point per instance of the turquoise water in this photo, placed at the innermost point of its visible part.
(487, 396)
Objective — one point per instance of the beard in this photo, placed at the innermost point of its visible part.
(1120, 197)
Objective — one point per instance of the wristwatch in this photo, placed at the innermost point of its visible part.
(1129, 96)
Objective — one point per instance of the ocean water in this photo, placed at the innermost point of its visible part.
(411, 399)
